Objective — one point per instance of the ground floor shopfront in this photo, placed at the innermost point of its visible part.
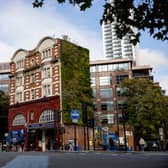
(43, 137)
(35, 125)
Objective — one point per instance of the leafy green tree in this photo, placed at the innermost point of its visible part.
(150, 15)
(146, 107)
(4, 106)
(164, 117)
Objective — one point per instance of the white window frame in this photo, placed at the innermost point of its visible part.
(47, 89)
(19, 96)
(46, 72)
(47, 53)
(46, 116)
(33, 77)
(19, 119)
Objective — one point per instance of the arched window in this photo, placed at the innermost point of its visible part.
(46, 116)
(19, 120)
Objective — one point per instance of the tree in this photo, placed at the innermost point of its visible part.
(4, 106)
(164, 119)
(150, 15)
(146, 107)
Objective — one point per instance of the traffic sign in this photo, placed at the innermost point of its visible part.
(75, 114)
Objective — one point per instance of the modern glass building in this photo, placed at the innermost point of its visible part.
(106, 76)
(4, 76)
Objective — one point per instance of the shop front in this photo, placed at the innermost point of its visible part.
(36, 124)
(43, 137)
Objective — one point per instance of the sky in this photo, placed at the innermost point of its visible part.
(22, 26)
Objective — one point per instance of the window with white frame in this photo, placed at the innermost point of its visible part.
(106, 93)
(46, 53)
(93, 69)
(46, 72)
(102, 68)
(94, 93)
(19, 64)
(46, 90)
(120, 78)
(107, 105)
(19, 81)
(19, 96)
(46, 116)
(107, 118)
(19, 120)
(93, 81)
(31, 115)
(33, 77)
(105, 80)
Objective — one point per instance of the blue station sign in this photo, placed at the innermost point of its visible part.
(75, 114)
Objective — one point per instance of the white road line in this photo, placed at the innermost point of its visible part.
(28, 162)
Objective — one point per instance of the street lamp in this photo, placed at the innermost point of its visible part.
(161, 134)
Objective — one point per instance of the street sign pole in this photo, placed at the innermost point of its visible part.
(75, 147)
(75, 115)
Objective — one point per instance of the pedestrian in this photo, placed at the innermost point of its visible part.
(111, 143)
(141, 144)
(155, 146)
(70, 147)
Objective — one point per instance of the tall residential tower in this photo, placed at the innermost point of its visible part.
(114, 47)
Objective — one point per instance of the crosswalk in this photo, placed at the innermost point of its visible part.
(28, 162)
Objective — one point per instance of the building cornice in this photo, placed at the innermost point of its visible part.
(108, 61)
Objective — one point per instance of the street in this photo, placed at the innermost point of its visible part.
(83, 160)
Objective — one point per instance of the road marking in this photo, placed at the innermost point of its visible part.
(28, 162)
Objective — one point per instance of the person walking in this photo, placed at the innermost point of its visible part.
(141, 144)
(71, 148)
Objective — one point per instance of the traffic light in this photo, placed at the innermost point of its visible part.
(84, 112)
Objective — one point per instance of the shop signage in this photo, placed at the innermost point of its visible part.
(41, 125)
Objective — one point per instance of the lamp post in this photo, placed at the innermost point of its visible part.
(161, 133)
(75, 138)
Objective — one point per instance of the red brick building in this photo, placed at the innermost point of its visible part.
(35, 96)
(38, 84)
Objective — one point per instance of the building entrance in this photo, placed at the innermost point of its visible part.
(42, 140)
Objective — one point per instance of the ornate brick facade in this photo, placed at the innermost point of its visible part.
(35, 96)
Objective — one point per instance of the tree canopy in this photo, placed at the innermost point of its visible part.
(4, 106)
(147, 107)
(132, 16)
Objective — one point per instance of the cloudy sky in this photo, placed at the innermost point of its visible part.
(22, 26)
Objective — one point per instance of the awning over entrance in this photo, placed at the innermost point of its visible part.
(41, 125)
